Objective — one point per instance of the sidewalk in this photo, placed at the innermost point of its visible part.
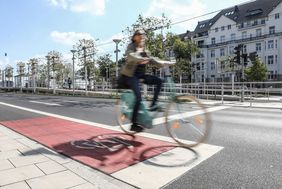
(26, 164)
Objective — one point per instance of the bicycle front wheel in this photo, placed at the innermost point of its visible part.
(187, 121)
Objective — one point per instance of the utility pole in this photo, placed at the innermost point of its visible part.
(48, 70)
(85, 70)
(53, 74)
(73, 71)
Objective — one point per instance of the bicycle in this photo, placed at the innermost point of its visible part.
(187, 129)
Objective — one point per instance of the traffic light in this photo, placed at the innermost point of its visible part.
(237, 53)
(245, 59)
(253, 56)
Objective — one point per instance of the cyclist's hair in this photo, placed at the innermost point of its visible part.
(137, 32)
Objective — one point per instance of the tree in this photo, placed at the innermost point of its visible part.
(56, 62)
(106, 66)
(183, 51)
(256, 72)
(87, 49)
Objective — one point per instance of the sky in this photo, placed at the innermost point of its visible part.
(32, 28)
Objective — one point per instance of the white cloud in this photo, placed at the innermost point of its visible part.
(178, 11)
(69, 38)
(95, 7)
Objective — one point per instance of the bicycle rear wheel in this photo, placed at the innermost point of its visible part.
(187, 121)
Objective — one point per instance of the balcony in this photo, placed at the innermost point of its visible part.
(244, 40)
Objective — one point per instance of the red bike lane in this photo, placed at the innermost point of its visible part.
(103, 149)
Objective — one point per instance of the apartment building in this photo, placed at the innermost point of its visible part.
(257, 25)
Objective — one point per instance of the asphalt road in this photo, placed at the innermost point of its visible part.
(251, 137)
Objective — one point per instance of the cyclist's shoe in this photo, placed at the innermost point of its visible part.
(136, 128)
(155, 108)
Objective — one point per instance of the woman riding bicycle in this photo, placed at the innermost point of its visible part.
(134, 70)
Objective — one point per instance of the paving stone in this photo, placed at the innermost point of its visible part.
(50, 167)
(5, 164)
(7, 145)
(9, 154)
(19, 174)
(97, 178)
(61, 180)
(19, 185)
(85, 186)
(28, 160)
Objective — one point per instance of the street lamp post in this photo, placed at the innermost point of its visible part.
(73, 79)
(117, 41)
(54, 80)
(48, 68)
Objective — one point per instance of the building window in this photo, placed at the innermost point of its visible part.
(262, 21)
(212, 66)
(272, 30)
(231, 50)
(222, 38)
(276, 59)
(258, 32)
(276, 44)
(255, 22)
(222, 52)
(233, 36)
(244, 35)
(270, 75)
(271, 44)
(216, 29)
(213, 40)
(229, 27)
(270, 59)
(258, 47)
(277, 16)
(212, 53)
(222, 28)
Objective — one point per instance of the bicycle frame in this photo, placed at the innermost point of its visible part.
(144, 117)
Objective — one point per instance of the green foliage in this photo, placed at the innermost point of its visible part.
(155, 40)
(183, 51)
(256, 72)
(86, 50)
(106, 66)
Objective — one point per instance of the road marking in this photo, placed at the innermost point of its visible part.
(114, 128)
(45, 103)
(71, 101)
(161, 120)
(158, 171)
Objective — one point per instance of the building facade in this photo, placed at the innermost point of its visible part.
(257, 25)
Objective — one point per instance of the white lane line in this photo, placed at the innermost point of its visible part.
(158, 171)
(114, 128)
(45, 103)
(71, 101)
(161, 120)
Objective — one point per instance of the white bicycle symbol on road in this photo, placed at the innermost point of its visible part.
(109, 142)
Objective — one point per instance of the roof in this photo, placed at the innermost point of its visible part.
(188, 35)
(241, 13)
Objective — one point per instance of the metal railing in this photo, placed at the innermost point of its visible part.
(224, 91)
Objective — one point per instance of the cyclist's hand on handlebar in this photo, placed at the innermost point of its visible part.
(144, 62)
